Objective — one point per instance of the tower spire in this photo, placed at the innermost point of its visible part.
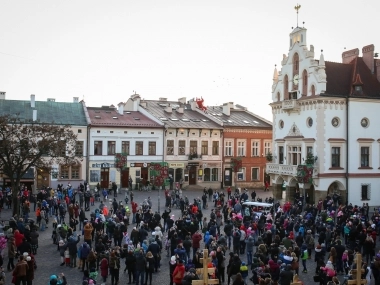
(297, 9)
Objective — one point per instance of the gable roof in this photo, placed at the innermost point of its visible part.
(175, 119)
(109, 117)
(341, 77)
(59, 113)
(239, 117)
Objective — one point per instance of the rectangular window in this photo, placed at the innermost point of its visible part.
(241, 174)
(267, 147)
(281, 154)
(139, 148)
(241, 148)
(193, 147)
(215, 148)
(294, 155)
(63, 150)
(98, 148)
(125, 147)
(364, 156)
(366, 192)
(335, 157)
(309, 149)
(111, 147)
(215, 174)
(79, 148)
(228, 148)
(204, 149)
(152, 148)
(255, 148)
(181, 147)
(75, 174)
(255, 173)
(170, 147)
(206, 174)
(65, 172)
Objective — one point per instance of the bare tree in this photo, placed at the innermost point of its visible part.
(26, 144)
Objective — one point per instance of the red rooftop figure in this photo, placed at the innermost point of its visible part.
(200, 104)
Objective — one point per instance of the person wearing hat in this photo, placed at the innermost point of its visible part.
(172, 266)
(21, 270)
(179, 272)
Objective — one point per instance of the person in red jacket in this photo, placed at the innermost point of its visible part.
(197, 237)
(18, 238)
(179, 272)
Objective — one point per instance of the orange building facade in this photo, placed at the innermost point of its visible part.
(248, 137)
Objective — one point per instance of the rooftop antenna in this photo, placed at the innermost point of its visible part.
(297, 9)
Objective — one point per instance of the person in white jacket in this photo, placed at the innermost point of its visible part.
(158, 232)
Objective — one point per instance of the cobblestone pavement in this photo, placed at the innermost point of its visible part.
(48, 260)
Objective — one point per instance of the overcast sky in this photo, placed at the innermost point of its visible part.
(221, 50)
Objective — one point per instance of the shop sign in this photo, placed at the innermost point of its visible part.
(211, 164)
(176, 165)
(193, 163)
(103, 165)
(140, 164)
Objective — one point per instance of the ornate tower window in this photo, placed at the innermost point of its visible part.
(286, 87)
(304, 83)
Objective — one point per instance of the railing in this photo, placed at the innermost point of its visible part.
(289, 104)
(281, 169)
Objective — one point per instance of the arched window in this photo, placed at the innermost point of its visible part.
(304, 83)
(312, 90)
(206, 175)
(296, 63)
(278, 97)
(286, 87)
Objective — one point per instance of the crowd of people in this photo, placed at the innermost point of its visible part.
(245, 243)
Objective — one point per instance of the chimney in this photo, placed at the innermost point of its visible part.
(368, 57)
(182, 100)
(349, 55)
(34, 115)
(75, 99)
(121, 108)
(227, 107)
(378, 69)
(2, 95)
(33, 101)
(162, 99)
(180, 110)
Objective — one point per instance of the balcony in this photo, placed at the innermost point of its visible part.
(290, 105)
(195, 156)
(274, 168)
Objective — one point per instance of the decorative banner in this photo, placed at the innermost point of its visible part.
(159, 172)
(236, 164)
(121, 160)
(305, 173)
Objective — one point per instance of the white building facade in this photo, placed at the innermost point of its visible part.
(325, 116)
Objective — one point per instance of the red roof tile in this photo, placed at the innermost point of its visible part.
(341, 78)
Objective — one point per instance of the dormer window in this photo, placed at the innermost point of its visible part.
(358, 88)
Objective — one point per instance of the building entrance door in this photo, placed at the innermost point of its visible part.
(144, 175)
(192, 175)
(124, 178)
(104, 178)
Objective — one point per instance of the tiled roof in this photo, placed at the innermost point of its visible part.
(188, 119)
(342, 76)
(239, 117)
(60, 113)
(110, 117)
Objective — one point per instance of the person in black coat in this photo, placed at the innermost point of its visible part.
(130, 265)
(286, 276)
